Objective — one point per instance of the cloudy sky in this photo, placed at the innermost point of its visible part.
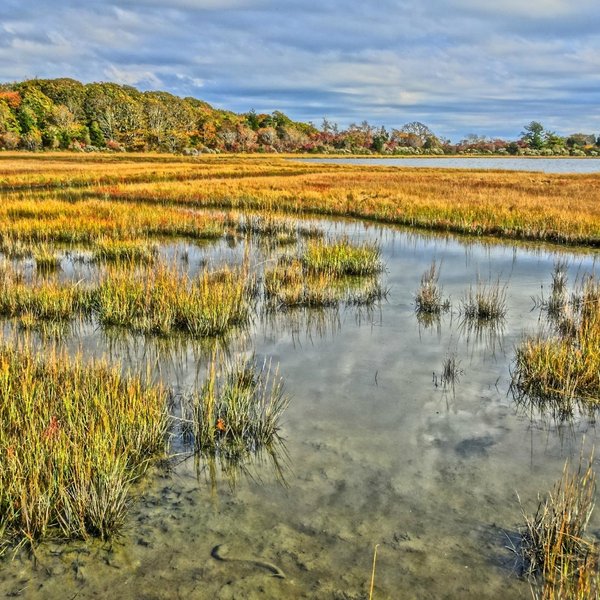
(460, 66)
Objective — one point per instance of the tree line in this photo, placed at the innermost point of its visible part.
(67, 114)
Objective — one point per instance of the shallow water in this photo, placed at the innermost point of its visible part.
(376, 452)
(543, 165)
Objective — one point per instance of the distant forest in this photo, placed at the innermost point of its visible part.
(65, 114)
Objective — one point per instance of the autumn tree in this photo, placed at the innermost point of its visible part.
(418, 134)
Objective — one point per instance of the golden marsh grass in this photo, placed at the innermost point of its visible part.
(534, 206)
(73, 438)
(562, 369)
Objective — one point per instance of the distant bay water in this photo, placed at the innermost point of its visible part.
(543, 165)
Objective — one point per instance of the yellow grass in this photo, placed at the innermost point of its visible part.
(73, 437)
(535, 206)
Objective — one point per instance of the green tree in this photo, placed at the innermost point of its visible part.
(533, 134)
(96, 136)
(380, 139)
(252, 120)
(552, 140)
(27, 120)
(512, 148)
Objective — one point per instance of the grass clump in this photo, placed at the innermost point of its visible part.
(13, 248)
(558, 370)
(553, 547)
(110, 250)
(485, 303)
(163, 300)
(428, 299)
(73, 437)
(325, 274)
(342, 258)
(41, 299)
(46, 260)
(290, 284)
(237, 411)
(276, 230)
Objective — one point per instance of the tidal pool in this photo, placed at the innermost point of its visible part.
(377, 451)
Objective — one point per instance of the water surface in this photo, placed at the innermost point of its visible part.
(543, 165)
(377, 451)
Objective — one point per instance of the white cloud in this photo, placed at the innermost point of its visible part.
(459, 64)
(131, 75)
(537, 9)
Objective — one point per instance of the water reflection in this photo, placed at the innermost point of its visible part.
(370, 441)
(301, 324)
(217, 469)
(483, 334)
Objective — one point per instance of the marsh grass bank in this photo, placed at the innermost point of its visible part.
(532, 206)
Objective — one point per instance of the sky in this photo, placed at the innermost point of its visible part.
(460, 66)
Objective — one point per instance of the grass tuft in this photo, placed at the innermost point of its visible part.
(428, 299)
(73, 437)
(562, 369)
(46, 260)
(341, 258)
(554, 549)
(485, 303)
(237, 411)
(110, 250)
(162, 300)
